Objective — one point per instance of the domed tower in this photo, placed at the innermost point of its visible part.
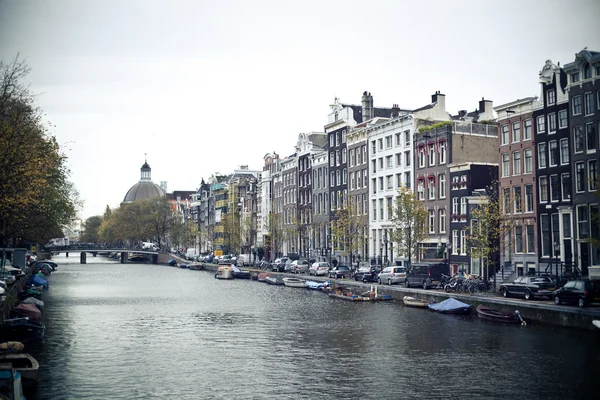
(145, 188)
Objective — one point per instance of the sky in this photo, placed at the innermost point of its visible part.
(202, 87)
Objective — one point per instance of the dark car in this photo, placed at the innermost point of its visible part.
(425, 275)
(341, 271)
(280, 264)
(529, 287)
(367, 274)
(580, 291)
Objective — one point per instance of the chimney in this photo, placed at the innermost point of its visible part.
(395, 110)
(462, 113)
(485, 108)
(367, 106)
(439, 99)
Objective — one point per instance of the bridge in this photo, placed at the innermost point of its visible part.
(94, 249)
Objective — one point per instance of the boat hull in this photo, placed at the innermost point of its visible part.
(498, 316)
(294, 282)
(24, 364)
(412, 302)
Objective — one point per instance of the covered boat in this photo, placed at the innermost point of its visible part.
(22, 330)
(314, 285)
(274, 280)
(499, 316)
(451, 306)
(240, 273)
(294, 282)
(596, 323)
(32, 300)
(261, 277)
(224, 272)
(27, 310)
(39, 280)
(412, 302)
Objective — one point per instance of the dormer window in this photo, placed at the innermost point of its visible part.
(587, 71)
(575, 77)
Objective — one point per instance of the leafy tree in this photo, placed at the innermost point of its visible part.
(90, 229)
(177, 232)
(276, 233)
(157, 218)
(408, 219)
(36, 198)
(347, 229)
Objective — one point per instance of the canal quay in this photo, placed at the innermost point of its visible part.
(138, 331)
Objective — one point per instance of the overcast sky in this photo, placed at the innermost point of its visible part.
(206, 86)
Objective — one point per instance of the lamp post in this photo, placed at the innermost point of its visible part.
(381, 254)
(557, 255)
(385, 242)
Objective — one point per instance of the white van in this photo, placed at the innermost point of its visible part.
(149, 246)
(191, 254)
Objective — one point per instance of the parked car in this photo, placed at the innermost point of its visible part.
(320, 268)
(300, 266)
(367, 274)
(580, 291)
(279, 264)
(425, 275)
(391, 275)
(340, 271)
(529, 287)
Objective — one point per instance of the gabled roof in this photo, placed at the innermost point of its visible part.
(593, 57)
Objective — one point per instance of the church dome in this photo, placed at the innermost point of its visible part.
(145, 188)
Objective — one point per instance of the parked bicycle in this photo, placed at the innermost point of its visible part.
(445, 279)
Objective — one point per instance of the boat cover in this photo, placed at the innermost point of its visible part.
(316, 285)
(28, 310)
(32, 300)
(448, 305)
(37, 280)
(172, 262)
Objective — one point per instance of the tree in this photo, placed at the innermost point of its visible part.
(36, 198)
(347, 229)
(276, 233)
(90, 229)
(408, 220)
(157, 218)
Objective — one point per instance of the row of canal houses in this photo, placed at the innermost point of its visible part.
(541, 151)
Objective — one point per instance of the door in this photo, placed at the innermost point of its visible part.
(584, 254)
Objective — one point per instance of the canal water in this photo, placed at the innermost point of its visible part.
(141, 331)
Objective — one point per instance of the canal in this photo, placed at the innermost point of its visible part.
(139, 331)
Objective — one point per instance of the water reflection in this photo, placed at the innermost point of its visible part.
(145, 331)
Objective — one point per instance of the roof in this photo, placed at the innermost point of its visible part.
(143, 190)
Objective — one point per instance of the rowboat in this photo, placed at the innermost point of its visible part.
(294, 282)
(412, 302)
(25, 364)
(451, 306)
(596, 323)
(499, 316)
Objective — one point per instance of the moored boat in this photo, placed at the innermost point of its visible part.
(262, 276)
(314, 285)
(11, 347)
(499, 316)
(274, 280)
(240, 273)
(11, 387)
(224, 272)
(22, 330)
(294, 282)
(196, 267)
(412, 302)
(451, 306)
(596, 323)
(24, 364)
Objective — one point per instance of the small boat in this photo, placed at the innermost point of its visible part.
(348, 296)
(499, 316)
(27, 310)
(172, 263)
(240, 273)
(596, 323)
(32, 300)
(196, 267)
(274, 279)
(22, 330)
(262, 276)
(314, 285)
(294, 282)
(11, 387)
(224, 272)
(412, 302)
(183, 265)
(24, 364)
(451, 306)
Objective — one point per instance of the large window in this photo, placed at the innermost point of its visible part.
(518, 200)
(527, 129)
(505, 134)
(431, 221)
(562, 119)
(592, 175)
(516, 132)
(528, 198)
(541, 124)
(580, 177)
(506, 197)
(530, 239)
(553, 147)
(442, 151)
(564, 151)
(543, 182)
(554, 188)
(590, 137)
(389, 162)
(431, 150)
(576, 105)
(516, 163)
(407, 158)
(545, 231)
(582, 221)
(551, 96)
(588, 102)
(505, 165)
(566, 186)
(551, 123)
(442, 186)
(388, 142)
(442, 220)
(527, 153)
(455, 205)
(578, 138)
(421, 157)
(542, 156)
(431, 188)
(518, 239)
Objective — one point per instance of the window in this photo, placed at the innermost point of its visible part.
(541, 124)
(381, 183)
(518, 239)
(407, 138)
(528, 155)
(365, 177)
(578, 138)
(527, 129)
(358, 157)
(399, 159)
(575, 77)
(388, 142)
(337, 139)
(374, 204)
(431, 189)
(352, 182)
(431, 148)
(442, 151)
(517, 163)
(530, 239)
(373, 148)
(528, 198)
(554, 188)
(545, 231)
(587, 71)
(566, 186)
(389, 162)
(398, 140)
(381, 209)
(506, 197)
(455, 248)
(562, 119)
(576, 104)
(374, 165)
(504, 134)
(431, 221)
(331, 159)
(442, 220)
(352, 158)
(390, 181)
(588, 102)
(381, 163)
(420, 190)
(407, 180)
(442, 186)
(344, 176)
(542, 163)
(337, 157)
(455, 205)
(332, 178)
(516, 133)
(518, 200)
(564, 151)
(505, 165)
(421, 157)
(582, 221)
(332, 140)
(463, 242)
(398, 180)
(380, 142)
(543, 182)
(553, 153)
(337, 177)
(344, 156)
(551, 96)
(590, 137)
(463, 207)
(551, 123)
(407, 158)
(580, 176)
(364, 154)
(592, 175)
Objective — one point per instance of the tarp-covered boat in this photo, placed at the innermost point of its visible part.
(314, 285)
(22, 330)
(240, 273)
(451, 306)
(32, 300)
(27, 310)
(37, 280)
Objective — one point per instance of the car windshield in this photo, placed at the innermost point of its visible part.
(541, 280)
(364, 269)
(344, 267)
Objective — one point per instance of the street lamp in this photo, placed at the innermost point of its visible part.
(381, 254)
(557, 255)
(385, 241)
